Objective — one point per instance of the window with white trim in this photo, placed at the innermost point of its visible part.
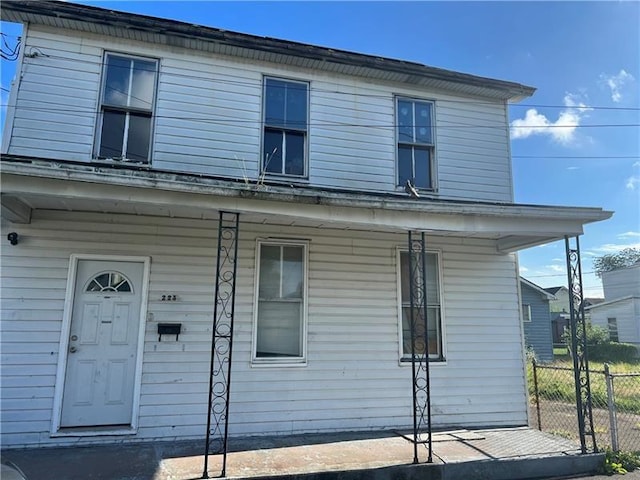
(415, 142)
(126, 109)
(285, 127)
(526, 312)
(434, 307)
(612, 324)
(281, 302)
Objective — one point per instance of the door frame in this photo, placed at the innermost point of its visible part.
(63, 351)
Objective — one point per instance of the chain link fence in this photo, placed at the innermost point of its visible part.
(615, 399)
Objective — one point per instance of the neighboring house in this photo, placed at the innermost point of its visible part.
(620, 311)
(560, 314)
(559, 307)
(536, 319)
(125, 138)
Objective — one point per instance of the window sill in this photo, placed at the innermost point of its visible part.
(406, 362)
(93, 431)
(278, 363)
(284, 178)
(421, 191)
(122, 161)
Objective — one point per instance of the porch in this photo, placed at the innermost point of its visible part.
(505, 453)
(351, 337)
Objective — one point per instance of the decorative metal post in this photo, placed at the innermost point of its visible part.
(222, 341)
(419, 344)
(578, 327)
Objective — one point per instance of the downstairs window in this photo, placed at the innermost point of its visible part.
(434, 308)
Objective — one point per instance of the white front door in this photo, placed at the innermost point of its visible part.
(103, 341)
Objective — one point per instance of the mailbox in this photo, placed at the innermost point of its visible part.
(169, 329)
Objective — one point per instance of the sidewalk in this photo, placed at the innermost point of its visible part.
(498, 454)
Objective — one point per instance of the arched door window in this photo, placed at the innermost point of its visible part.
(109, 282)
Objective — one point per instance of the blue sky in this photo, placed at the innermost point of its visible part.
(583, 57)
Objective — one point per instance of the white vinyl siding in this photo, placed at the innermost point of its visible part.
(352, 331)
(208, 119)
(621, 282)
(626, 312)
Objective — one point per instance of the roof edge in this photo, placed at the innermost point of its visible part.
(29, 10)
(35, 166)
(538, 288)
(611, 302)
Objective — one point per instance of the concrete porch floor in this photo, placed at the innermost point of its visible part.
(496, 454)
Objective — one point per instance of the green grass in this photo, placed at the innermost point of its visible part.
(620, 462)
(558, 385)
(560, 352)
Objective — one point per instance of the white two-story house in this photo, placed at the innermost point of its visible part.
(620, 311)
(125, 138)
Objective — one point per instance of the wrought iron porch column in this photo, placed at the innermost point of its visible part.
(579, 346)
(419, 344)
(222, 341)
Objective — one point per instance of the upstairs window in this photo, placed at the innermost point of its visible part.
(128, 96)
(414, 121)
(434, 309)
(285, 127)
(526, 312)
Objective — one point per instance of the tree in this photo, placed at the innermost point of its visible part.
(613, 261)
(596, 335)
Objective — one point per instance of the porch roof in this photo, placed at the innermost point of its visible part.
(30, 183)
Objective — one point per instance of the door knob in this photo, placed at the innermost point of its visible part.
(73, 349)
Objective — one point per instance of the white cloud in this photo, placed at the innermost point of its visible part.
(637, 164)
(611, 248)
(562, 130)
(628, 235)
(523, 270)
(616, 83)
(556, 268)
(632, 182)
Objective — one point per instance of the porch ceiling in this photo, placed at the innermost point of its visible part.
(41, 185)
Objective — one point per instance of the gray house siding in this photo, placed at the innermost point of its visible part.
(537, 332)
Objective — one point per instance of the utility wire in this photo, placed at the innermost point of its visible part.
(91, 112)
(258, 84)
(553, 275)
(6, 51)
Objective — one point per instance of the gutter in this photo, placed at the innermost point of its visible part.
(197, 184)
(611, 302)
(29, 11)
